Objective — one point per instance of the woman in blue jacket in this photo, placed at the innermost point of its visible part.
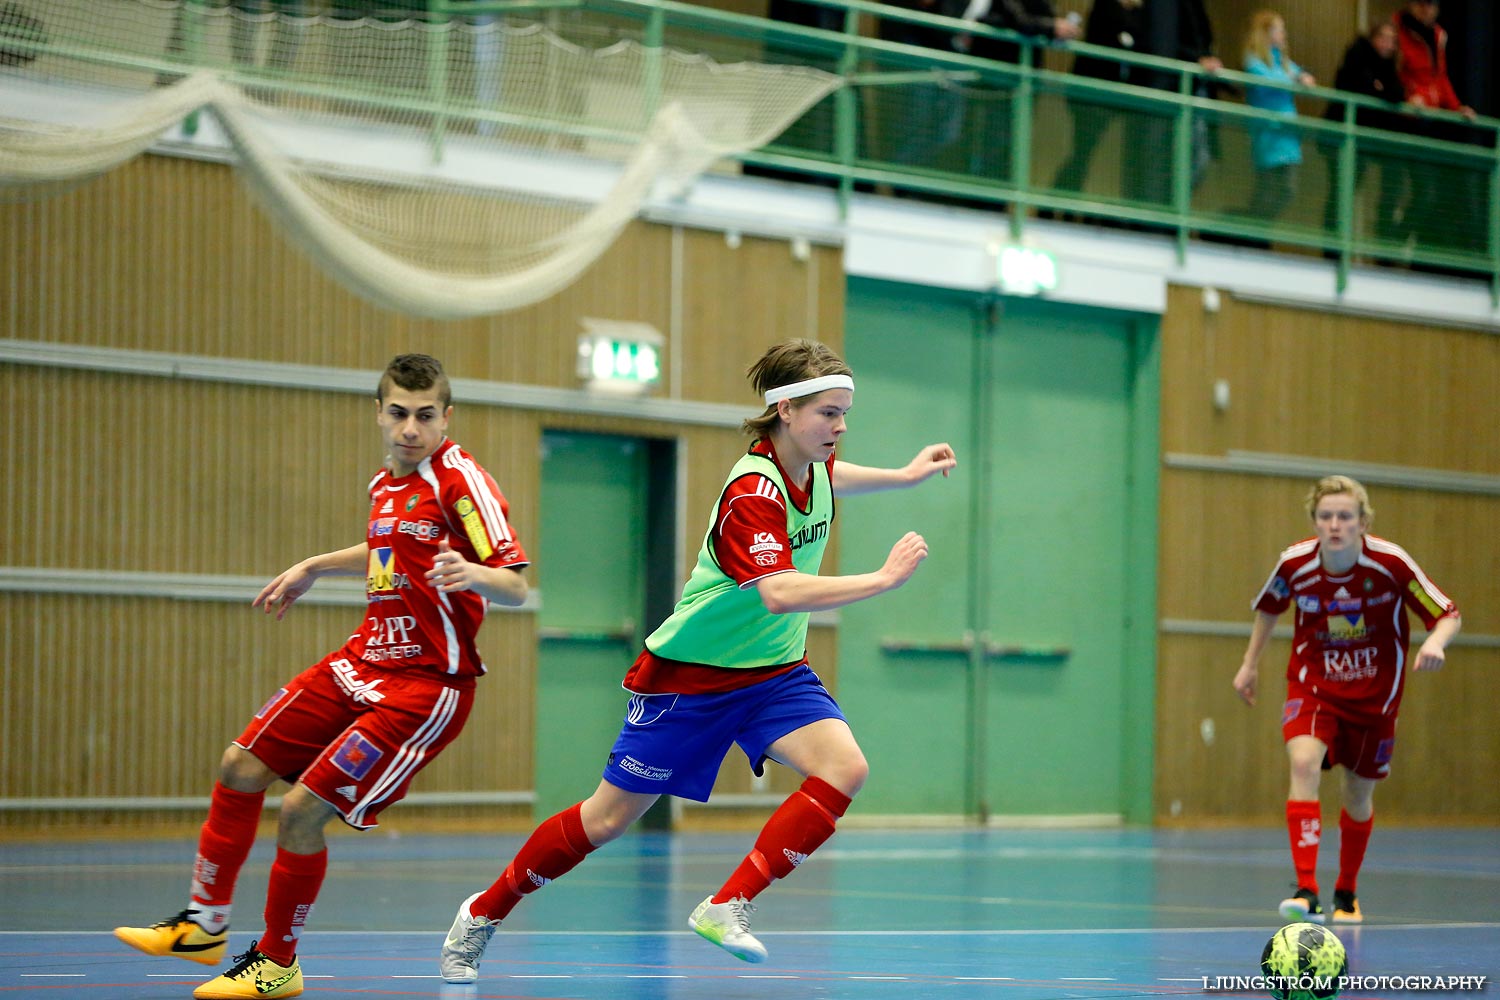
(1275, 149)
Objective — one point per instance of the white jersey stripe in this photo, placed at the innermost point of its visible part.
(1391, 548)
(484, 499)
(410, 756)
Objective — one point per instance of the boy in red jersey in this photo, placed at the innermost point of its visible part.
(730, 663)
(352, 730)
(1345, 677)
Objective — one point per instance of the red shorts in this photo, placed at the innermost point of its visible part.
(1363, 744)
(356, 734)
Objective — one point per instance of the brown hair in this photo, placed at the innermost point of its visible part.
(1332, 485)
(787, 362)
(415, 373)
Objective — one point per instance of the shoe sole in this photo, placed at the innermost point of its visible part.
(1347, 918)
(753, 957)
(1296, 914)
(212, 955)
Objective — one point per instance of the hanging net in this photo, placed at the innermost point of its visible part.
(442, 168)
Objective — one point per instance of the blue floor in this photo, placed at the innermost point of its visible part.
(904, 915)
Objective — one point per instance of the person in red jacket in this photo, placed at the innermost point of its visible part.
(1434, 211)
(1424, 58)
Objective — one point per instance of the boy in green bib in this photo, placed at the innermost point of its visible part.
(730, 664)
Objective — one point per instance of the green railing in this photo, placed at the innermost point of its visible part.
(952, 126)
(946, 125)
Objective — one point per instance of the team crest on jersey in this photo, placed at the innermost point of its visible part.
(356, 755)
(412, 501)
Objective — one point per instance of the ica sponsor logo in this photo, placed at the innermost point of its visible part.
(764, 541)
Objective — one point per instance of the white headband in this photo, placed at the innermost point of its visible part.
(807, 387)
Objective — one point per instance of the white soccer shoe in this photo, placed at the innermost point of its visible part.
(727, 925)
(467, 938)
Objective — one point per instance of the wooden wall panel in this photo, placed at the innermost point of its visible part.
(140, 696)
(1441, 771)
(1320, 385)
(124, 473)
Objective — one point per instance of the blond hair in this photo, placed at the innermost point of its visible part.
(789, 361)
(1258, 38)
(1333, 486)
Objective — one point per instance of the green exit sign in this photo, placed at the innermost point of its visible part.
(1026, 271)
(616, 356)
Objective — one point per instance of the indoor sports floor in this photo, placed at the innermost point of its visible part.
(997, 914)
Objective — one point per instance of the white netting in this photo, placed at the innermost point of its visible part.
(444, 169)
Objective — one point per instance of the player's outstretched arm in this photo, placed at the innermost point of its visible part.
(1433, 653)
(281, 593)
(850, 479)
(788, 592)
(1246, 677)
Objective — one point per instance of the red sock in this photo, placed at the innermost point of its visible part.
(1304, 826)
(1354, 837)
(551, 852)
(223, 844)
(798, 827)
(295, 881)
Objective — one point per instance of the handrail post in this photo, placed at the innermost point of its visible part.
(1347, 164)
(192, 48)
(1020, 136)
(655, 37)
(846, 110)
(437, 71)
(1495, 227)
(1182, 162)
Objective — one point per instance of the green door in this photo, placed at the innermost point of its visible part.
(591, 563)
(1012, 651)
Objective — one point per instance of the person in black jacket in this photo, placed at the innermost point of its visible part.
(988, 119)
(1179, 30)
(1369, 68)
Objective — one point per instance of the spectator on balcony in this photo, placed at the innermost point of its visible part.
(1275, 148)
(1369, 69)
(919, 122)
(1138, 26)
(1429, 213)
(988, 107)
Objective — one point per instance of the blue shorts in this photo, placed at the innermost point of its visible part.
(673, 744)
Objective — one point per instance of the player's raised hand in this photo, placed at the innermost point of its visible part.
(281, 593)
(450, 571)
(931, 460)
(905, 556)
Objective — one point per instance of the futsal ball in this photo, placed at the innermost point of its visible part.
(1304, 962)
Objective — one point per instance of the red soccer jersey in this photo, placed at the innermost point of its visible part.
(1352, 633)
(410, 623)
